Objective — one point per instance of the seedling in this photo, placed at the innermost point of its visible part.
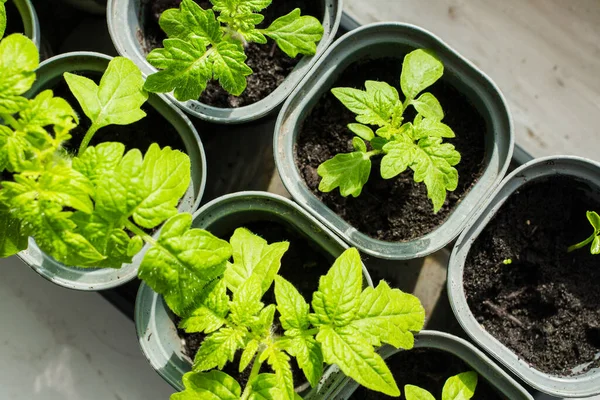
(458, 387)
(417, 145)
(202, 46)
(80, 210)
(594, 238)
(223, 300)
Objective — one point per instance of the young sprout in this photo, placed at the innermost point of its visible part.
(458, 387)
(507, 261)
(594, 238)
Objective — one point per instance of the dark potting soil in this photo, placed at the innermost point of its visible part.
(395, 209)
(153, 128)
(302, 264)
(270, 65)
(428, 369)
(14, 23)
(545, 306)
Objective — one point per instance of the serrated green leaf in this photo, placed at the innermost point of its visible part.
(182, 262)
(229, 67)
(246, 302)
(2, 18)
(209, 315)
(148, 189)
(460, 387)
(219, 348)
(337, 300)
(213, 385)
(362, 131)
(280, 364)
(45, 110)
(416, 393)
(295, 34)
(263, 324)
(118, 98)
(372, 107)
(12, 239)
(399, 156)
(350, 172)
(18, 61)
(387, 315)
(292, 307)
(357, 359)
(190, 20)
(429, 107)
(264, 387)
(99, 161)
(240, 6)
(428, 127)
(309, 356)
(248, 354)
(420, 69)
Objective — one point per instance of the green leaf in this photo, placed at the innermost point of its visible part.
(229, 67)
(292, 307)
(378, 143)
(428, 127)
(99, 161)
(388, 315)
(118, 98)
(240, 6)
(12, 239)
(148, 189)
(399, 156)
(296, 34)
(357, 359)
(362, 131)
(219, 348)
(248, 354)
(350, 172)
(594, 219)
(359, 144)
(420, 69)
(429, 106)
(374, 106)
(45, 110)
(252, 254)
(416, 393)
(337, 300)
(182, 262)
(190, 20)
(280, 363)
(263, 324)
(246, 302)
(18, 61)
(595, 249)
(264, 387)
(460, 387)
(213, 385)
(309, 356)
(211, 311)
(2, 18)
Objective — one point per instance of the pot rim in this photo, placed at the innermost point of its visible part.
(29, 17)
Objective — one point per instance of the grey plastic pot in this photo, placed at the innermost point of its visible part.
(157, 333)
(30, 21)
(91, 6)
(479, 362)
(124, 25)
(584, 385)
(394, 40)
(49, 73)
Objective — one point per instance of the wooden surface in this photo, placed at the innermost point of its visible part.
(543, 54)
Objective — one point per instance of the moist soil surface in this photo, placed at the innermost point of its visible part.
(302, 264)
(545, 305)
(395, 209)
(14, 24)
(153, 128)
(428, 369)
(270, 65)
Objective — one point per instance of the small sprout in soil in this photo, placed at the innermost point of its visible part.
(594, 238)
(507, 261)
(89, 210)
(458, 387)
(202, 45)
(417, 145)
(223, 299)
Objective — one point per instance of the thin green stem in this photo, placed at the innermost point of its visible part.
(87, 138)
(582, 244)
(138, 231)
(9, 119)
(253, 374)
(406, 103)
(374, 153)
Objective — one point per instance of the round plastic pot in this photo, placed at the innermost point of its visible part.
(48, 74)
(90, 6)
(584, 385)
(393, 40)
(479, 362)
(157, 333)
(30, 21)
(124, 23)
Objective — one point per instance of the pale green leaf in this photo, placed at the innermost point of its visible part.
(373, 106)
(2, 18)
(248, 354)
(594, 219)
(420, 69)
(350, 172)
(219, 348)
(428, 127)
(190, 20)
(12, 238)
(229, 67)
(399, 156)
(213, 385)
(387, 315)
(240, 6)
(308, 355)
(362, 131)
(280, 364)
(359, 144)
(182, 262)
(246, 302)
(595, 249)
(99, 161)
(118, 98)
(460, 387)
(295, 34)
(18, 61)
(45, 110)
(337, 300)
(292, 307)
(357, 359)
(429, 107)
(211, 310)
(264, 387)
(416, 393)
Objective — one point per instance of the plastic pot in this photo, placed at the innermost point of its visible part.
(49, 73)
(124, 22)
(584, 385)
(479, 362)
(90, 6)
(157, 333)
(393, 40)
(29, 18)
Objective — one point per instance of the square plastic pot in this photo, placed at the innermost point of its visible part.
(584, 385)
(125, 25)
(49, 72)
(157, 333)
(394, 40)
